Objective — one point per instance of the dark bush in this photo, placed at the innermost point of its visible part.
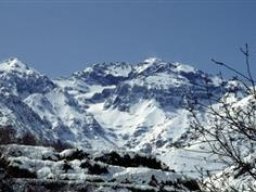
(153, 181)
(66, 166)
(28, 139)
(97, 169)
(53, 185)
(191, 185)
(97, 180)
(113, 158)
(77, 154)
(5, 186)
(94, 168)
(3, 162)
(133, 189)
(85, 164)
(7, 135)
(17, 172)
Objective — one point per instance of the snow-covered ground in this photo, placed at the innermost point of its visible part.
(46, 164)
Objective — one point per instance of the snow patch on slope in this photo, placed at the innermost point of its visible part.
(144, 113)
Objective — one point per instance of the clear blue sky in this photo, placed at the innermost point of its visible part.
(60, 37)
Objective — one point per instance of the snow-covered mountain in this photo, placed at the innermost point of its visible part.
(116, 105)
(110, 106)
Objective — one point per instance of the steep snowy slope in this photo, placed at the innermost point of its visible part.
(19, 123)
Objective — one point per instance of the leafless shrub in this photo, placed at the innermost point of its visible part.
(230, 131)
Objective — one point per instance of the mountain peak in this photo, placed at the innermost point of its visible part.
(21, 80)
(15, 65)
(14, 62)
(152, 60)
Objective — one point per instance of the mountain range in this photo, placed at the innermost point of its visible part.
(135, 108)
